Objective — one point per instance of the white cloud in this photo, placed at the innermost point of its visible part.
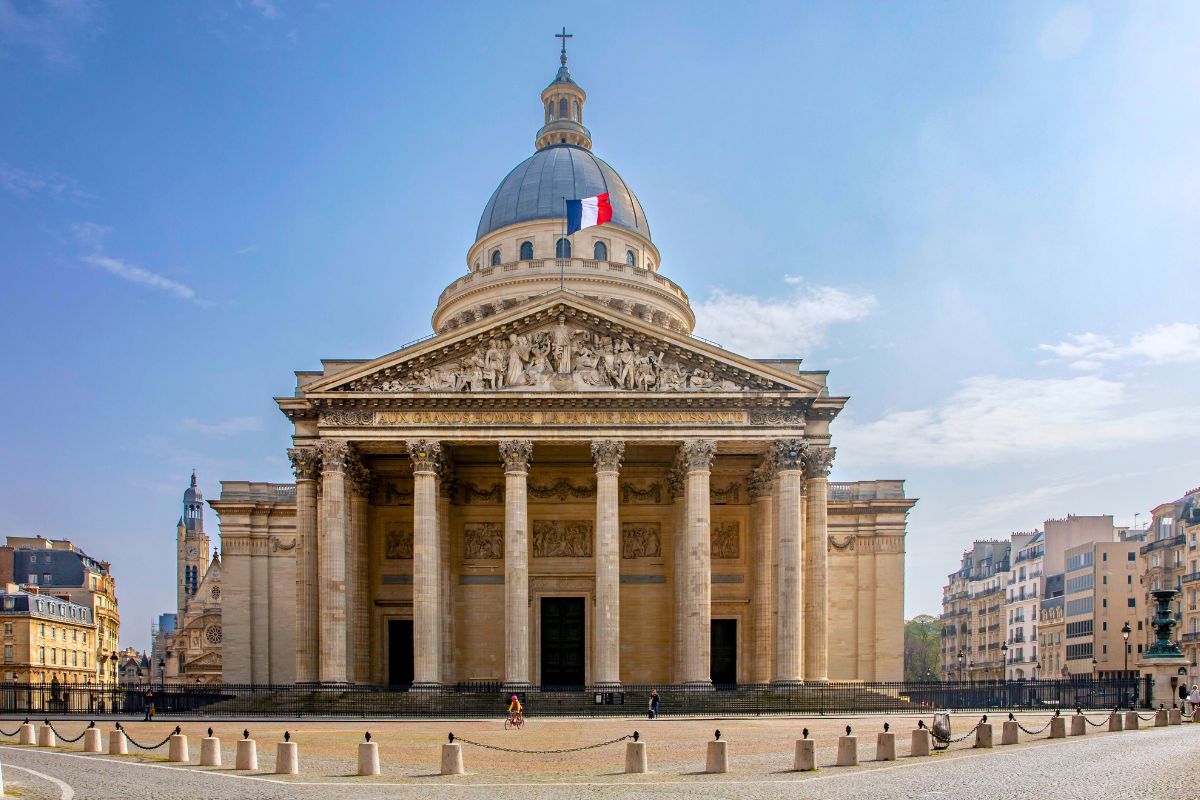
(24, 184)
(991, 419)
(226, 427)
(1174, 343)
(267, 8)
(50, 27)
(1066, 33)
(790, 326)
(135, 274)
(91, 235)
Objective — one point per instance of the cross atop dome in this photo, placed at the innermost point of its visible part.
(564, 36)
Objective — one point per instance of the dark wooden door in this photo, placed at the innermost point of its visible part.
(400, 652)
(562, 641)
(724, 652)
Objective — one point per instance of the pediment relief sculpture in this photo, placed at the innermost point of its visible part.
(563, 357)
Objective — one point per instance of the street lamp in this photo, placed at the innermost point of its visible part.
(1003, 659)
(961, 657)
(162, 674)
(1125, 631)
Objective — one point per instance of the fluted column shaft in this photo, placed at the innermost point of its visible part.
(331, 567)
(427, 564)
(515, 454)
(817, 463)
(606, 626)
(789, 598)
(357, 580)
(677, 483)
(446, 595)
(762, 599)
(306, 463)
(697, 646)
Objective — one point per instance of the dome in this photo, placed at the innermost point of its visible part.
(192, 494)
(536, 187)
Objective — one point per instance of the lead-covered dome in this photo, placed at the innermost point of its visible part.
(536, 187)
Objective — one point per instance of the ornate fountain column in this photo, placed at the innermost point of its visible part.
(817, 463)
(306, 464)
(515, 454)
(427, 563)
(606, 659)
(331, 562)
(789, 561)
(697, 645)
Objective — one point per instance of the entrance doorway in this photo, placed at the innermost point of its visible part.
(562, 641)
(400, 652)
(723, 649)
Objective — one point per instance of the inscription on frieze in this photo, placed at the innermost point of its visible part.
(483, 541)
(562, 538)
(641, 540)
(591, 417)
(398, 543)
(726, 540)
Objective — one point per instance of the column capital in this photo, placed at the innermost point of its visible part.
(607, 454)
(762, 479)
(334, 455)
(697, 454)
(306, 462)
(361, 479)
(515, 454)
(426, 455)
(818, 460)
(788, 454)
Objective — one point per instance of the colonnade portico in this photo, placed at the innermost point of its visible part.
(784, 627)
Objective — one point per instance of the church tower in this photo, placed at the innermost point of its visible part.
(192, 546)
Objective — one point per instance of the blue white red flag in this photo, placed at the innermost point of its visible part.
(588, 211)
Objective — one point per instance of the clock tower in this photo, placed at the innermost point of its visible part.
(192, 546)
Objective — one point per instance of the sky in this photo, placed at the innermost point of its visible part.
(980, 217)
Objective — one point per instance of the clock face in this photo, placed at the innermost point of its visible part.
(192, 551)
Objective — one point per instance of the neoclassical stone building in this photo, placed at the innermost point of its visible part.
(562, 486)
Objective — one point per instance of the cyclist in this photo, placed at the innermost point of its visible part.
(515, 715)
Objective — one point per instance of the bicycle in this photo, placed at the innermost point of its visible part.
(514, 721)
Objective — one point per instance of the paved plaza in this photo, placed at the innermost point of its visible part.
(1149, 763)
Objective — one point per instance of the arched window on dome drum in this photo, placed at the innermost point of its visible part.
(550, 111)
(526, 251)
(562, 109)
(562, 249)
(649, 265)
(600, 251)
(630, 258)
(495, 258)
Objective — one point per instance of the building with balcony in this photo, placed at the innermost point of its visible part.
(1101, 593)
(973, 605)
(1170, 559)
(1023, 604)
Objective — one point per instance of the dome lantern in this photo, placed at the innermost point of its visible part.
(562, 108)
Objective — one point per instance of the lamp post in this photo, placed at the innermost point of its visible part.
(162, 674)
(1003, 660)
(1125, 631)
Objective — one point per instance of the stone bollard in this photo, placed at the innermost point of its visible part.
(177, 749)
(46, 737)
(91, 741)
(368, 758)
(1196, 715)
(921, 742)
(1114, 722)
(247, 754)
(1160, 718)
(983, 735)
(1078, 725)
(1131, 721)
(287, 757)
(806, 757)
(452, 763)
(635, 757)
(210, 751)
(27, 733)
(1058, 728)
(1010, 733)
(847, 751)
(885, 746)
(716, 759)
(1175, 717)
(117, 746)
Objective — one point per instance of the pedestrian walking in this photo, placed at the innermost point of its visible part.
(654, 703)
(1183, 698)
(1194, 697)
(149, 703)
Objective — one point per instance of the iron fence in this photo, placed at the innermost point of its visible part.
(485, 700)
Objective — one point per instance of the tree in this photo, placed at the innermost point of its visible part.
(922, 648)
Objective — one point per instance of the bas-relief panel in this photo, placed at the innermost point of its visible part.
(725, 538)
(483, 541)
(398, 542)
(562, 539)
(641, 540)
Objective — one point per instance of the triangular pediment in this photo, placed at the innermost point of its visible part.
(561, 343)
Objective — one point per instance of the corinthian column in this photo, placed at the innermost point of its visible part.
(515, 454)
(762, 484)
(817, 463)
(677, 486)
(607, 455)
(331, 566)
(358, 660)
(789, 561)
(697, 644)
(427, 566)
(306, 463)
(446, 594)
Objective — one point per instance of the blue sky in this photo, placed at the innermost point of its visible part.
(982, 218)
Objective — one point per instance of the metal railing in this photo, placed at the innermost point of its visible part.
(486, 700)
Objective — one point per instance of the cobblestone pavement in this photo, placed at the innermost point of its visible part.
(1151, 764)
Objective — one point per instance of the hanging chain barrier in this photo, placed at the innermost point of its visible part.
(1102, 722)
(948, 740)
(634, 736)
(6, 733)
(1146, 718)
(1039, 731)
(64, 739)
(175, 732)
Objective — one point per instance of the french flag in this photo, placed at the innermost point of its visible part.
(588, 211)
